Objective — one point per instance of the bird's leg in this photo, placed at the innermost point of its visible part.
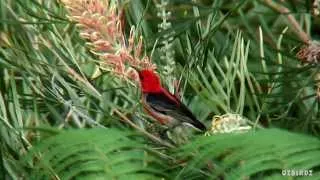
(164, 133)
(135, 107)
(138, 119)
(177, 134)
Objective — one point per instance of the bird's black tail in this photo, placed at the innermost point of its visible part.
(198, 125)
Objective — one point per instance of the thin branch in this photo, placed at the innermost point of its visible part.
(152, 137)
(292, 20)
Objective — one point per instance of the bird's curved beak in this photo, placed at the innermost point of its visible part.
(137, 69)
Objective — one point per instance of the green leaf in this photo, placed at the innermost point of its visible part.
(96, 153)
(236, 156)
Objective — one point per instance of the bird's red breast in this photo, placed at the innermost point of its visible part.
(150, 81)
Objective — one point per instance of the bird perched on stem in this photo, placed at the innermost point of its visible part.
(162, 105)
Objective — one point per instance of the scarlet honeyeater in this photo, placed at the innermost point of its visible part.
(162, 105)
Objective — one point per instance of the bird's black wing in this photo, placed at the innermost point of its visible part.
(161, 103)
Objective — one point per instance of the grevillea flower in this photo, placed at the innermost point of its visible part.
(310, 54)
(101, 23)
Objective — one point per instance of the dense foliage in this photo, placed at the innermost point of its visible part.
(63, 116)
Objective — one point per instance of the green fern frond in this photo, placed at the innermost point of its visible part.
(250, 155)
(98, 153)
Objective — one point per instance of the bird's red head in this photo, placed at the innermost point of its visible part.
(150, 81)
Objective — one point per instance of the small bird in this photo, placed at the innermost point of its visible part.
(162, 105)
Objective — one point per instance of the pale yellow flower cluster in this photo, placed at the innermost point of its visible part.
(229, 123)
